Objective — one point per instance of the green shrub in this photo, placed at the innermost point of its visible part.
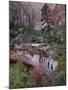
(20, 76)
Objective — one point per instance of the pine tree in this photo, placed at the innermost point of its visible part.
(47, 23)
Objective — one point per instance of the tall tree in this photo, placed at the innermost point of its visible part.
(47, 24)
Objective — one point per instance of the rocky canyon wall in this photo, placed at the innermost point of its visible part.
(29, 14)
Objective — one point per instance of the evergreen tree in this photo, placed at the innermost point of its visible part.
(47, 23)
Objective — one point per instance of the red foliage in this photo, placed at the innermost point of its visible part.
(36, 76)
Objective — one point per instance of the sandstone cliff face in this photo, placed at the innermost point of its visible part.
(21, 13)
(58, 14)
(29, 13)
